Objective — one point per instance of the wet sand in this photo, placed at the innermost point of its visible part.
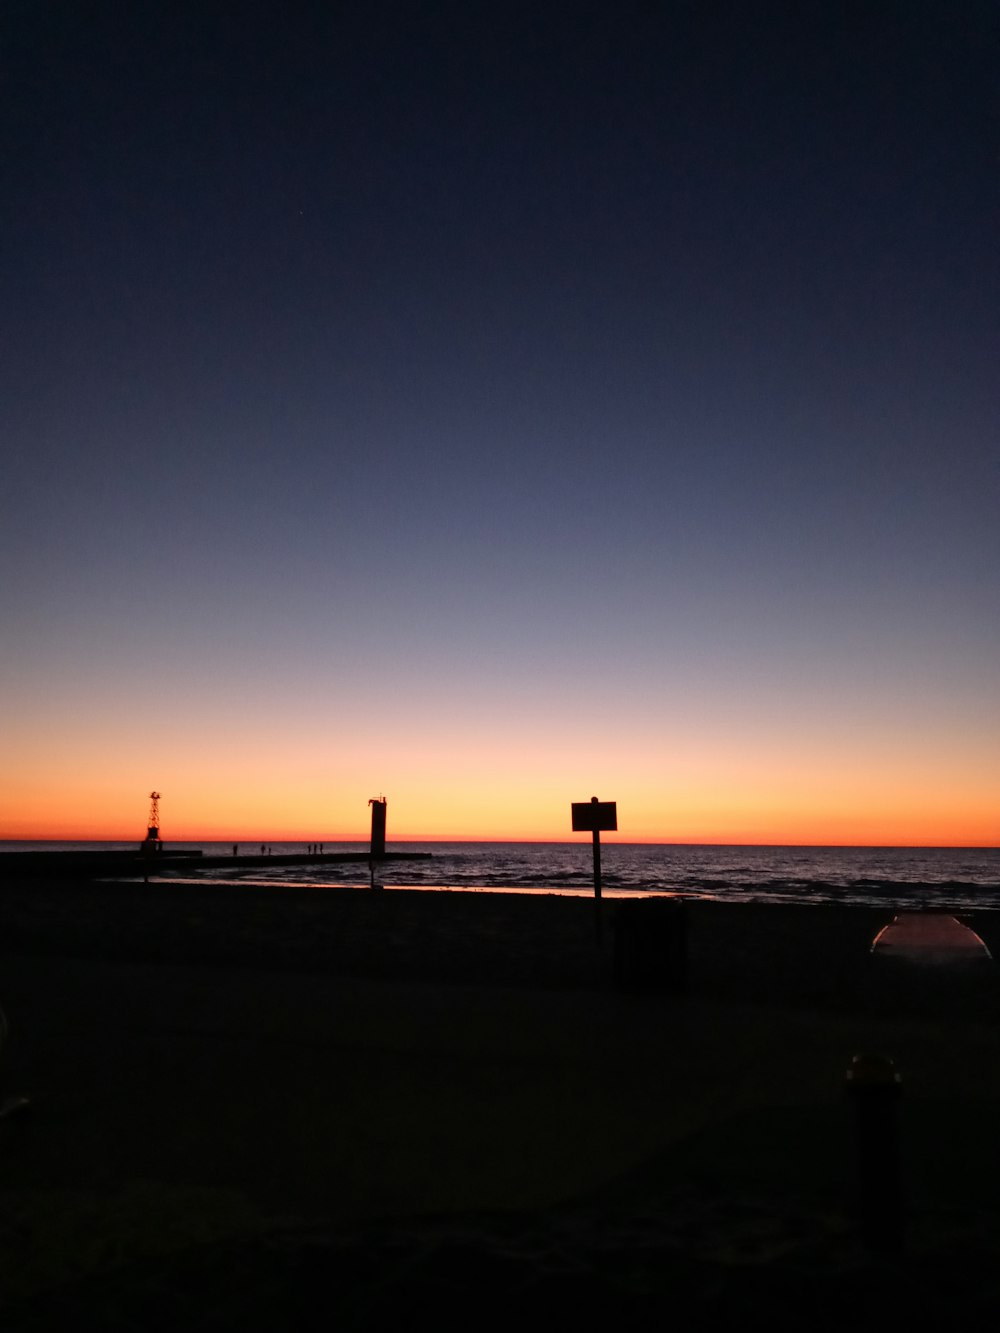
(245, 1101)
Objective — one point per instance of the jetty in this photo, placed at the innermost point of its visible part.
(93, 865)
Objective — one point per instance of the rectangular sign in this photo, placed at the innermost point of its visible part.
(594, 816)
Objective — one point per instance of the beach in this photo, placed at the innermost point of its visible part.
(247, 1101)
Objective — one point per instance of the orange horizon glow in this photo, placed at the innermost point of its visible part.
(937, 793)
(838, 811)
(742, 823)
(568, 838)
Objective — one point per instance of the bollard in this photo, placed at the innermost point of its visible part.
(651, 945)
(875, 1088)
(9, 1105)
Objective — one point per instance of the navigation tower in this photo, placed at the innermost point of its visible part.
(152, 842)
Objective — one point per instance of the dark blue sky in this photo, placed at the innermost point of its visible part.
(451, 357)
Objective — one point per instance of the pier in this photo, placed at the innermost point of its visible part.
(79, 865)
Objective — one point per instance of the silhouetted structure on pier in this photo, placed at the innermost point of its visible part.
(378, 805)
(152, 844)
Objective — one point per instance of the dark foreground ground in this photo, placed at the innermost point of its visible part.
(274, 1109)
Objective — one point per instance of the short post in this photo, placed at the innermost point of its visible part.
(875, 1089)
(590, 817)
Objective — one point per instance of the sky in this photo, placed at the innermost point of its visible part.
(489, 407)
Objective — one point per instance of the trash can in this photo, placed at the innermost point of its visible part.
(651, 953)
(875, 1088)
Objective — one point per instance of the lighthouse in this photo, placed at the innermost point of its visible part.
(152, 844)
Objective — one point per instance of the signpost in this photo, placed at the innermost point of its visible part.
(591, 817)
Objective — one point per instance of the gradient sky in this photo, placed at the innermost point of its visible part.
(494, 406)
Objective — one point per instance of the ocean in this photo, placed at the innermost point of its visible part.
(955, 878)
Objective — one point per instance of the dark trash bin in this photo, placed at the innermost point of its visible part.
(651, 952)
(875, 1089)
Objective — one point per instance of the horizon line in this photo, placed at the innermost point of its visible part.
(582, 841)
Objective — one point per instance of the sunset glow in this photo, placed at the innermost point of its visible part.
(254, 804)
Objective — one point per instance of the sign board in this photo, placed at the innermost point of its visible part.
(594, 816)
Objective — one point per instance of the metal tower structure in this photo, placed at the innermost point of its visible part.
(152, 841)
(153, 829)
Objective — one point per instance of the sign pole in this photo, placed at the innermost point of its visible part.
(597, 864)
(590, 817)
(598, 922)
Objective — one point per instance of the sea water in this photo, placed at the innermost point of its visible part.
(950, 877)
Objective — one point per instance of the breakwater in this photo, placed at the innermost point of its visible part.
(89, 865)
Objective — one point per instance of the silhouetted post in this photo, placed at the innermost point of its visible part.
(8, 1105)
(590, 817)
(875, 1089)
(377, 851)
